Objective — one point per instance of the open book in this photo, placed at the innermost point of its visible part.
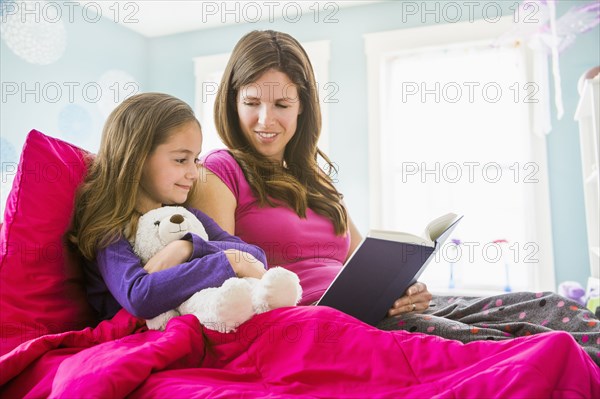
(432, 232)
(383, 266)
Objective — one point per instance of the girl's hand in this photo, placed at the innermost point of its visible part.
(416, 298)
(244, 264)
(175, 253)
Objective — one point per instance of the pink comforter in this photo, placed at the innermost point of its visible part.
(292, 352)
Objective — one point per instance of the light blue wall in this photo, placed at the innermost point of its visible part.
(165, 64)
(61, 98)
(69, 112)
(564, 161)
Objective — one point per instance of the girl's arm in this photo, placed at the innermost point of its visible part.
(223, 239)
(173, 254)
(148, 295)
(192, 246)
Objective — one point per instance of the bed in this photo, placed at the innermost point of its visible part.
(52, 345)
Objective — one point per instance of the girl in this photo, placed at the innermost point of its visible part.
(148, 159)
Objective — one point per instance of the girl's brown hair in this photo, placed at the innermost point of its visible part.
(106, 200)
(299, 182)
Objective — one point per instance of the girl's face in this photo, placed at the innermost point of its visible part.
(171, 169)
(268, 111)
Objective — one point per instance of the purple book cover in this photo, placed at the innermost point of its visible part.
(377, 274)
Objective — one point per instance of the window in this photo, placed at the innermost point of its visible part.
(453, 132)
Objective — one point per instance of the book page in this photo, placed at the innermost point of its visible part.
(437, 226)
(434, 229)
(400, 237)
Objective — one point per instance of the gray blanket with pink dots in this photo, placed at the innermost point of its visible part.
(503, 317)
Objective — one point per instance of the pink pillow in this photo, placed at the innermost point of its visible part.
(41, 283)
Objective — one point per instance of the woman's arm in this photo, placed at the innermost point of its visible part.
(215, 199)
(355, 237)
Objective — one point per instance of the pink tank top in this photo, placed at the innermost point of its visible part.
(308, 247)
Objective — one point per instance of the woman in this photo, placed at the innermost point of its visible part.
(268, 188)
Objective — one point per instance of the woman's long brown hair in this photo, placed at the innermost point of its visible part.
(299, 182)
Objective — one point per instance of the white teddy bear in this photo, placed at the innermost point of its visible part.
(222, 308)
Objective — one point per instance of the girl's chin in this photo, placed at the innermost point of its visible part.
(178, 200)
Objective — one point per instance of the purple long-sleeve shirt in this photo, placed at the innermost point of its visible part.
(117, 279)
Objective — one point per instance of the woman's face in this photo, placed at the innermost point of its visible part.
(268, 111)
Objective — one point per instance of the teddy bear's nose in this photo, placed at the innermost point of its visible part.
(177, 219)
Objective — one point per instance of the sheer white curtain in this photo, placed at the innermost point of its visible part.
(455, 136)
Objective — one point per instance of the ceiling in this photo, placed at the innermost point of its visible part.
(154, 18)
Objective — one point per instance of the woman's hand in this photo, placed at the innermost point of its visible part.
(175, 253)
(245, 264)
(416, 298)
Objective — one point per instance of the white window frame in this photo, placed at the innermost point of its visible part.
(380, 45)
(319, 55)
